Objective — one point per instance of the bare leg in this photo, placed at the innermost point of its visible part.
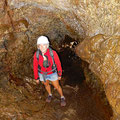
(58, 87)
(47, 86)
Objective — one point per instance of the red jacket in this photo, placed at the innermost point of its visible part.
(56, 59)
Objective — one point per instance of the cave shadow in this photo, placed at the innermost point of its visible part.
(73, 75)
(72, 67)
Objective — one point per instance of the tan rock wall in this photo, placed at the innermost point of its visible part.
(103, 55)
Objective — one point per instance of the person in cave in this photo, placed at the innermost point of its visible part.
(47, 68)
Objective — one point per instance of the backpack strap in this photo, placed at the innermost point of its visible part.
(37, 54)
(51, 54)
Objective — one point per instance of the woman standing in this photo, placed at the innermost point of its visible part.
(47, 68)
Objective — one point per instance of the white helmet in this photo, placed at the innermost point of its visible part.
(42, 40)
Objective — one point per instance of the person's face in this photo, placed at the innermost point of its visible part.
(43, 47)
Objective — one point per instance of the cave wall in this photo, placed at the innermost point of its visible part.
(103, 55)
(95, 21)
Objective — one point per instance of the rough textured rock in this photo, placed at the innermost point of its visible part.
(22, 21)
(102, 54)
(26, 101)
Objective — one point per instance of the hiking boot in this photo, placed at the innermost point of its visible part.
(63, 103)
(49, 98)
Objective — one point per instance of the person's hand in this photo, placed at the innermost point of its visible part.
(37, 81)
(59, 78)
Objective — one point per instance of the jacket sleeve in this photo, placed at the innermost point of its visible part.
(58, 63)
(35, 67)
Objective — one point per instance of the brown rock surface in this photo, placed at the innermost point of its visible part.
(102, 54)
(95, 21)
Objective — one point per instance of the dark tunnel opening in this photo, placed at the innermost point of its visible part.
(72, 66)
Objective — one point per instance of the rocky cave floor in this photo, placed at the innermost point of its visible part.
(21, 100)
(18, 103)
